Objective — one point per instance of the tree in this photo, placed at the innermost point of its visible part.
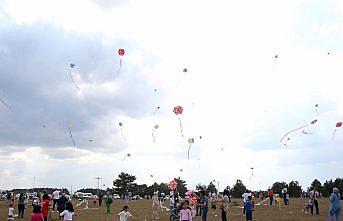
(124, 183)
(238, 189)
(181, 186)
(277, 187)
(317, 184)
(139, 190)
(294, 189)
(327, 187)
(338, 184)
(200, 187)
(211, 188)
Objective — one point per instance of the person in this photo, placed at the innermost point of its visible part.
(245, 199)
(100, 196)
(249, 209)
(155, 206)
(37, 214)
(308, 206)
(61, 205)
(335, 206)
(198, 207)
(108, 202)
(21, 205)
(314, 195)
(213, 203)
(224, 205)
(10, 212)
(185, 213)
(284, 195)
(171, 202)
(68, 213)
(271, 196)
(277, 201)
(124, 215)
(55, 198)
(45, 206)
(203, 205)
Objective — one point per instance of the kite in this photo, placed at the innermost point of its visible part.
(71, 66)
(190, 141)
(172, 185)
(6, 105)
(338, 125)
(157, 108)
(252, 172)
(178, 110)
(152, 176)
(181, 170)
(299, 128)
(121, 53)
(126, 156)
(121, 130)
(71, 135)
(185, 70)
(316, 108)
(153, 131)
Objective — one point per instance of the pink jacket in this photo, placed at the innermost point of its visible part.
(37, 217)
(185, 214)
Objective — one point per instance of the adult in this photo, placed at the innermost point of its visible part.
(284, 195)
(225, 205)
(314, 195)
(21, 205)
(203, 205)
(100, 196)
(45, 206)
(271, 196)
(108, 202)
(335, 206)
(61, 205)
(155, 206)
(55, 198)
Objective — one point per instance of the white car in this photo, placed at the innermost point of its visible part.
(116, 196)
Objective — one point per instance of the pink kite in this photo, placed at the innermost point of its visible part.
(299, 128)
(172, 185)
(338, 125)
(121, 53)
(178, 110)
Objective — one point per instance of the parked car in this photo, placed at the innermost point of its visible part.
(116, 196)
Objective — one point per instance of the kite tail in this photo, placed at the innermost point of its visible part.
(334, 134)
(120, 64)
(299, 128)
(155, 111)
(71, 137)
(153, 136)
(181, 130)
(122, 134)
(72, 79)
(6, 105)
(252, 174)
(189, 148)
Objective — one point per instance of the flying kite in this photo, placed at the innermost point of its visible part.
(6, 105)
(121, 53)
(178, 110)
(338, 125)
(71, 135)
(190, 141)
(252, 172)
(121, 130)
(126, 156)
(172, 185)
(299, 128)
(153, 131)
(71, 66)
(157, 108)
(185, 70)
(316, 108)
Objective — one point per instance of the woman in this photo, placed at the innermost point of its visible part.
(335, 207)
(224, 205)
(21, 205)
(155, 206)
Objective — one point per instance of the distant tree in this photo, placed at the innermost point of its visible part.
(339, 184)
(124, 183)
(139, 190)
(211, 188)
(327, 187)
(181, 186)
(277, 187)
(88, 190)
(294, 189)
(238, 189)
(317, 184)
(200, 187)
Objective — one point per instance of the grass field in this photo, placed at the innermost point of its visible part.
(143, 209)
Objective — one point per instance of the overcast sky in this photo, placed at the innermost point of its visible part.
(237, 95)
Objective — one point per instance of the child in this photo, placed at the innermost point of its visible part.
(37, 214)
(10, 212)
(124, 215)
(68, 212)
(45, 206)
(308, 206)
(278, 201)
(185, 213)
(249, 209)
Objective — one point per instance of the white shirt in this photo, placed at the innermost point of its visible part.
(11, 211)
(67, 215)
(123, 216)
(284, 190)
(314, 195)
(245, 196)
(56, 195)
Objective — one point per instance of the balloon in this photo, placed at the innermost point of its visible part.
(121, 52)
(178, 110)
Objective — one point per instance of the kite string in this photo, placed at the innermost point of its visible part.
(71, 137)
(6, 105)
(189, 148)
(153, 136)
(71, 76)
(299, 128)
(334, 134)
(180, 123)
(120, 64)
(122, 133)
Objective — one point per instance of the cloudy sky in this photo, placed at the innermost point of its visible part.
(237, 96)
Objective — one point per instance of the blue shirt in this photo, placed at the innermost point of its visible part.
(249, 206)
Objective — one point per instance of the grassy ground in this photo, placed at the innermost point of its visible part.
(142, 209)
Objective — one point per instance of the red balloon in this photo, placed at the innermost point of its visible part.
(314, 121)
(121, 52)
(339, 124)
(178, 110)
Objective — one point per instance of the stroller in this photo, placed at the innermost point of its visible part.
(174, 216)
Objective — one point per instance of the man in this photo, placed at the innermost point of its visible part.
(203, 205)
(271, 196)
(108, 202)
(100, 196)
(55, 198)
(225, 205)
(284, 194)
(314, 195)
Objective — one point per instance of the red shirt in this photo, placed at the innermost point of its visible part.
(37, 217)
(270, 193)
(45, 208)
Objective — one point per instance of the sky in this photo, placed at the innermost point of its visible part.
(238, 97)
